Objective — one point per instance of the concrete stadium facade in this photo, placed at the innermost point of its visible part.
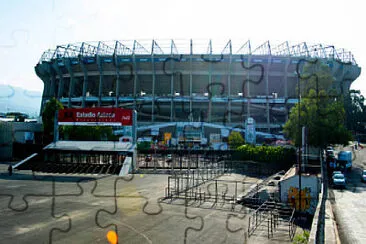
(188, 81)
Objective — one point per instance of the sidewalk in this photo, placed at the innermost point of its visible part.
(330, 226)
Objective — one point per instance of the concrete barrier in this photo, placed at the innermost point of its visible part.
(324, 226)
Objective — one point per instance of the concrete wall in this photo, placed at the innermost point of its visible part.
(20, 129)
(11, 132)
(310, 185)
(6, 142)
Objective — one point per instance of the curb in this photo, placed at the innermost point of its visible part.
(335, 226)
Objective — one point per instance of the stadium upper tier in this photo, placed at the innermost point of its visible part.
(171, 47)
(175, 80)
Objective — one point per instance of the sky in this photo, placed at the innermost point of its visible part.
(28, 28)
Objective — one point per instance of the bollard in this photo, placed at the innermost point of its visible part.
(10, 170)
(249, 226)
(168, 186)
(177, 189)
(216, 193)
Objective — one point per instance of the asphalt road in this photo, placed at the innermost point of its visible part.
(349, 204)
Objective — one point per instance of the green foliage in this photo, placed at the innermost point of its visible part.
(235, 139)
(88, 133)
(355, 111)
(320, 111)
(301, 238)
(273, 154)
(48, 116)
(144, 145)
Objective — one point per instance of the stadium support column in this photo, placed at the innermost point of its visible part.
(72, 81)
(117, 77)
(60, 80)
(45, 75)
(267, 93)
(50, 82)
(44, 94)
(53, 85)
(288, 61)
(209, 83)
(134, 80)
(171, 84)
(248, 86)
(153, 83)
(85, 83)
(190, 82)
(100, 68)
(229, 85)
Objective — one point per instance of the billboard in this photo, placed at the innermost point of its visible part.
(95, 116)
(250, 134)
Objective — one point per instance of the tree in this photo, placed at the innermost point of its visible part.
(355, 111)
(321, 109)
(48, 118)
(235, 139)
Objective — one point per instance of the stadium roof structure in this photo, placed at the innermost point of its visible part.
(176, 47)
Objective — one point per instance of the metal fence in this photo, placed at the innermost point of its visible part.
(189, 180)
(272, 215)
(180, 159)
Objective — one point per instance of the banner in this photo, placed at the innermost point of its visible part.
(250, 133)
(95, 116)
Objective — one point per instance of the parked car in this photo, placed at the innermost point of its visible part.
(363, 175)
(337, 173)
(339, 180)
(329, 148)
(329, 153)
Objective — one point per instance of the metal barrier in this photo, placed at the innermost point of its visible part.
(272, 213)
(185, 181)
(291, 226)
(180, 159)
(257, 218)
(74, 163)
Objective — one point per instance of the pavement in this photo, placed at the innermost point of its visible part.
(60, 208)
(330, 229)
(349, 205)
(331, 234)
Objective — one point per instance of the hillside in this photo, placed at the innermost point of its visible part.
(16, 99)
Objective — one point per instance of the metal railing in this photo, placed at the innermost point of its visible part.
(272, 214)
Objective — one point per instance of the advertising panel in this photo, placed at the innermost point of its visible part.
(167, 137)
(250, 134)
(95, 116)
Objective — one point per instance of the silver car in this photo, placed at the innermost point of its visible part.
(363, 175)
(339, 180)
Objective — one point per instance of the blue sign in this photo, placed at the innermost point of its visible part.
(250, 133)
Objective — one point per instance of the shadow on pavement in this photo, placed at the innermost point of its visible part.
(57, 178)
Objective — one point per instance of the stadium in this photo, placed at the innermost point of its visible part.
(173, 84)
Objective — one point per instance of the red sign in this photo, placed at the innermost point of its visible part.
(95, 116)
